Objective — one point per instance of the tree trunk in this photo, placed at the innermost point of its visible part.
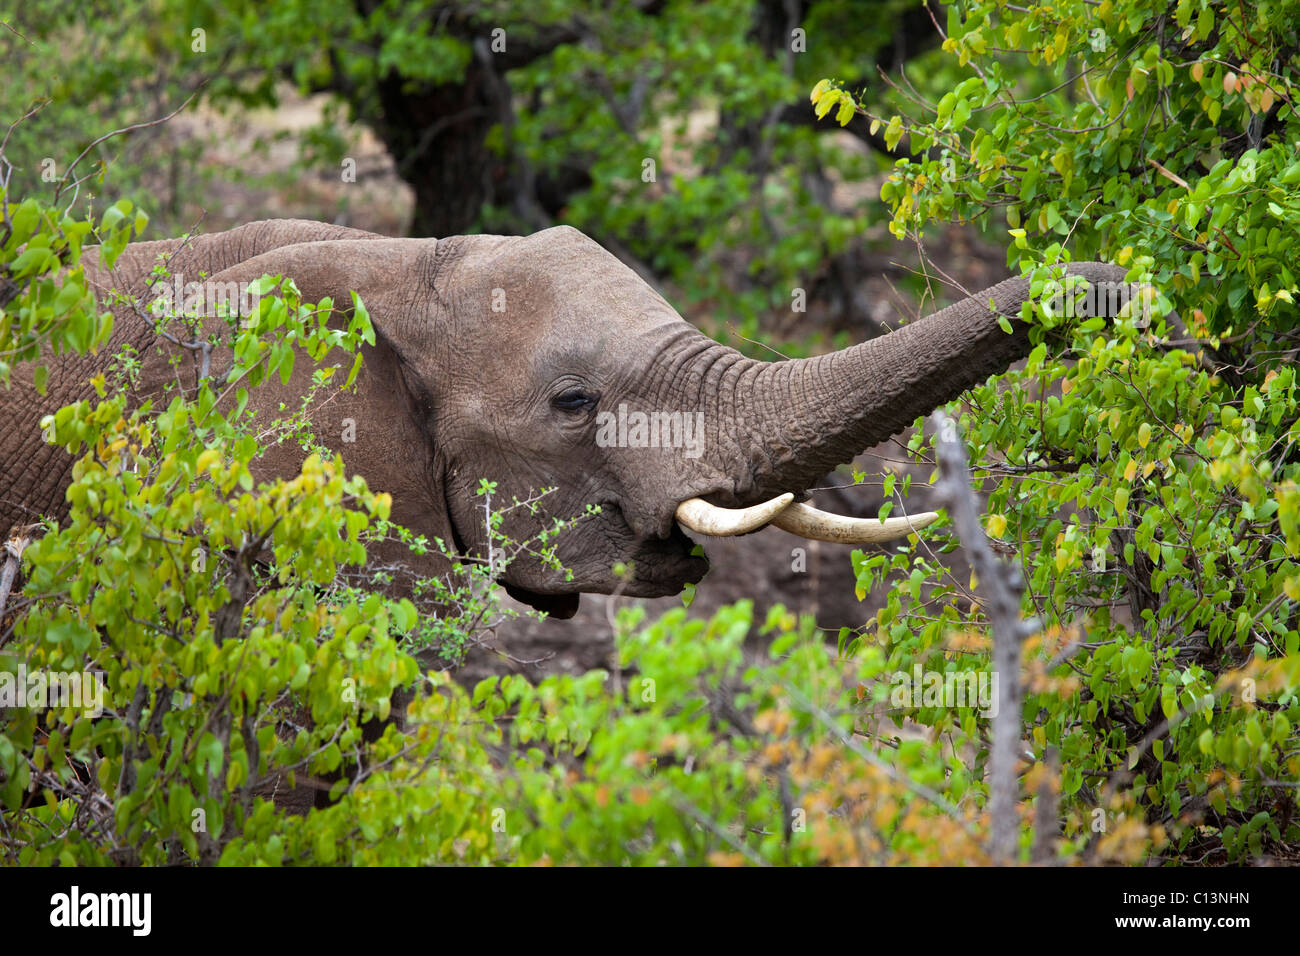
(437, 137)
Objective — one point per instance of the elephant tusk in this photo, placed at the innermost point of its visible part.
(808, 522)
(698, 515)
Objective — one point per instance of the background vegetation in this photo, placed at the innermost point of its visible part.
(1145, 477)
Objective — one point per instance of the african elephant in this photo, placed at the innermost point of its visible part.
(527, 360)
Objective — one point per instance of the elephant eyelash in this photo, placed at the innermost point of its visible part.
(574, 400)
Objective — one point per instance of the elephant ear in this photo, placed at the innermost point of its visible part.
(392, 276)
(383, 427)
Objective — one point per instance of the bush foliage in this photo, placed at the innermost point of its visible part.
(1144, 476)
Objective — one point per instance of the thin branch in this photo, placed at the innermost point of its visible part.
(1002, 584)
(109, 135)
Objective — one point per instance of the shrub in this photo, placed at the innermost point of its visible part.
(1145, 476)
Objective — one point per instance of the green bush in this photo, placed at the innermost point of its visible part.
(1146, 476)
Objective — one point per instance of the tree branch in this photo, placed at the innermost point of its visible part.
(1001, 584)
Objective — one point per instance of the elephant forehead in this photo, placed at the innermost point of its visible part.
(557, 278)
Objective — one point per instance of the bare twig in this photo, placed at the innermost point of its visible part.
(14, 547)
(1172, 177)
(63, 183)
(1046, 816)
(1002, 584)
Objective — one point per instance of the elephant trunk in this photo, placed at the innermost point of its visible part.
(799, 419)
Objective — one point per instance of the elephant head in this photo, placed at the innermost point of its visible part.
(543, 362)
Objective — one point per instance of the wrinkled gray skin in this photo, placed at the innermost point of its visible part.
(453, 392)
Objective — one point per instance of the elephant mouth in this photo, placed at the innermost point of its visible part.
(659, 567)
(664, 566)
(562, 606)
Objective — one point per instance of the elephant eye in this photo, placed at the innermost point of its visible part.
(574, 400)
